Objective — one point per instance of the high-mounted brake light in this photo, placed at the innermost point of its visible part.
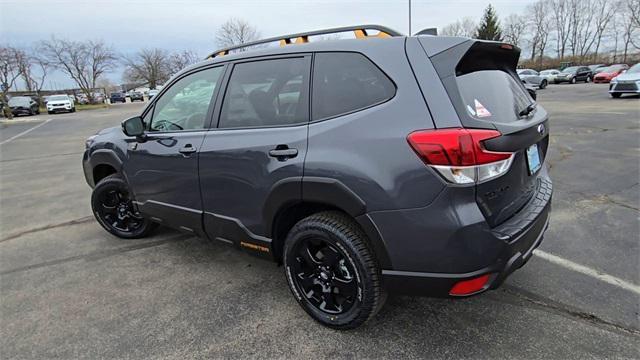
(459, 154)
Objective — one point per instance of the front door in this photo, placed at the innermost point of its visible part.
(162, 170)
(261, 141)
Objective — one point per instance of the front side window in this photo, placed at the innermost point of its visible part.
(267, 93)
(185, 104)
(347, 82)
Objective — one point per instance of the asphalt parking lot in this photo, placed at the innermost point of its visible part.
(70, 290)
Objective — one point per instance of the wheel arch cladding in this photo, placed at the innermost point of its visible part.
(104, 163)
(293, 199)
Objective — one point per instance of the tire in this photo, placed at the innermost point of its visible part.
(587, 80)
(543, 84)
(38, 112)
(616, 95)
(49, 112)
(73, 109)
(112, 207)
(327, 255)
(573, 80)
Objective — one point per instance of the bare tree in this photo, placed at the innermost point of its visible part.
(235, 32)
(581, 18)
(33, 70)
(633, 9)
(514, 29)
(465, 27)
(604, 11)
(84, 61)
(180, 60)
(9, 72)
(628, 27)
(148, 66)
(537, 14)
(560, 15)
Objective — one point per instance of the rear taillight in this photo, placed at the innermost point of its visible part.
(470, 286)
(459, 154)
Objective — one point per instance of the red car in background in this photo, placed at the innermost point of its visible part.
(609, 73)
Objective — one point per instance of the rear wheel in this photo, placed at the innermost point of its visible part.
(331, 271)
(543, 84)
(616, 95)
(112, 206)
(573, 80)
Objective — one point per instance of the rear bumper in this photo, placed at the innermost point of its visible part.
(459, 245)
(513, 257)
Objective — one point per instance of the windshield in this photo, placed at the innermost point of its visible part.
(634, 69)
(19, 101)
(570, 70)
(58, 97)
(612, 68)
(493, 95)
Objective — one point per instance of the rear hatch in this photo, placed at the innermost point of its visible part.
(481, 80)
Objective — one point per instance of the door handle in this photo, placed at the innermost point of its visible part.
(283, 152)
(187, 149)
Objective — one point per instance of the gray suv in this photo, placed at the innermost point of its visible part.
(381, 164)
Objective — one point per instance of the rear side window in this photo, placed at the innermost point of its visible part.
(347, 82)
(267, 93)
(492, 95)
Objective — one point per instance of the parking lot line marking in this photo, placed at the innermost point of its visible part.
(588, 271)
(24, 132)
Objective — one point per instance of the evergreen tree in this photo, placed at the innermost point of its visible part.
(489, 28)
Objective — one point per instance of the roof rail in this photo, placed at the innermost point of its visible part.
(360, 32)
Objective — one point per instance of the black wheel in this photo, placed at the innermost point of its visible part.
(543, 84)
(112, 206)
(573, 80)
(616, 95)
(49, 112)
(588, 80)
(38, 112)
(73, 109)
(331, 271)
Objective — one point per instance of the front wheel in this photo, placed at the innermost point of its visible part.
(615, 95)
(332, 272)
(573, 80)
(588, 80)
(543, 84)
(112, 205)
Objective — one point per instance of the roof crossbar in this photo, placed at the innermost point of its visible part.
(360, 32)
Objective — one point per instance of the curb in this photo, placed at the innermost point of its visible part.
(20, 121)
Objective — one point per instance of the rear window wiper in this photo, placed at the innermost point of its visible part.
(528, 110)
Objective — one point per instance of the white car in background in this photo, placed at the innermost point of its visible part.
(550, 75)
(626, 83)
(152, 93)
(56, 103)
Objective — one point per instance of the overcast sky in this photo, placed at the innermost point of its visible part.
(130, 25)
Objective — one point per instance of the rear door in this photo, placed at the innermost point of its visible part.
(259, 144)
(482, 83)
(163, 170)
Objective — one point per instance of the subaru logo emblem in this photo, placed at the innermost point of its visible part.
(541, 129)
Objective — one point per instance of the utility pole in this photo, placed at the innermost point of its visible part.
(409, 18)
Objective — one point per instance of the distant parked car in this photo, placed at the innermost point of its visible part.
(529, 76)
(626, 83)
(23, 105)
(550, 75)
(57, 103)
(117, 97)
(574, 74)
(152, 93)
(135, 95)
(609, 73)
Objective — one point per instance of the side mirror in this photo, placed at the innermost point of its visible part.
(133, 126)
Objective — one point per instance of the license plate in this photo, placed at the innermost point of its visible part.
(533, 159)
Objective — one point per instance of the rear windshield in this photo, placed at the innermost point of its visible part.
(493, 95)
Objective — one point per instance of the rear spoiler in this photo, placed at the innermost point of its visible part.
(488, 55)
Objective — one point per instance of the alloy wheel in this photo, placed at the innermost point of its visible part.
(324, 276)
(116, 210)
